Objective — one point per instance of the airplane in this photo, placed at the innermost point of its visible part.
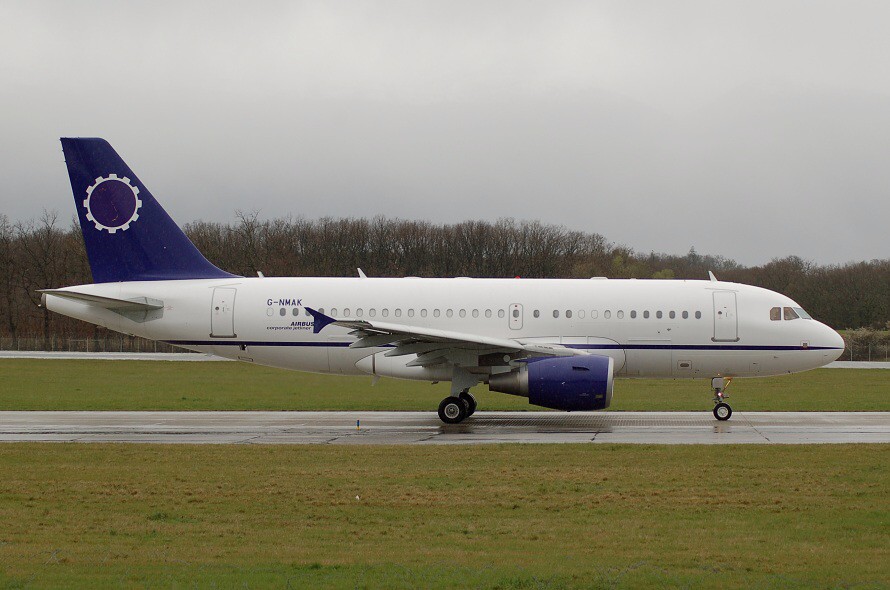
(558, 342)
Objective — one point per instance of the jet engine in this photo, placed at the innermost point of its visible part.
(563, 383)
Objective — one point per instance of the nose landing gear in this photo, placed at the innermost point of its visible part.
(722, 410)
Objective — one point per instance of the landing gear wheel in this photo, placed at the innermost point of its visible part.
(453, 410)
(470, 401)
(722, 411)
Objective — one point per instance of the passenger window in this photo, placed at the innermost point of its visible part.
(436, 313)
(333, 312)
(346, 312)
(282, 312)
(385, 313)
(359, 312)
(790, 314)
(673, 314)
(607, 314)
(646, 314)
(698, 315)
(620, 314)
(685, 315)
(488, 313)
(463, 313)
(556, 313)
(475, 313)
(296, 311)
(423, 313)
(593, 314)
(449, 313)
(581, 313)
(658, 315)
(569, 313)
(501, 313)
(536, 313)
(633, 314)
(398, 312)
(320, 310)
(372, 312)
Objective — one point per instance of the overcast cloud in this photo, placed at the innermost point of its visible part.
(747, 129)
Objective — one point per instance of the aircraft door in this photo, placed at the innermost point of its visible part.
(222, 313)
(726, 322)
(515, 316)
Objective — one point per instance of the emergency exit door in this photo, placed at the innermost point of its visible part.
(726, 322)
(222, 313)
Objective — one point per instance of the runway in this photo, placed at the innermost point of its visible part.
(194, 356)
(388, 428)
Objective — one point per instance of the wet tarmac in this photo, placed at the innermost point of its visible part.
(193, 356)
(382, 428)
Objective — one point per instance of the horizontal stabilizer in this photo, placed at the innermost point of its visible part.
(111, 303)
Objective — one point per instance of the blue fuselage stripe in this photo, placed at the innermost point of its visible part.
(575, 346)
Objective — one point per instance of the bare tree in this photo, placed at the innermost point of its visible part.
(38, 254)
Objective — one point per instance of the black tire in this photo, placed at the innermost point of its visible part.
(470, 401)
(452, 410)
(722, 411)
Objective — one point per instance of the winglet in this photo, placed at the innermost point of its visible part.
(321, 320)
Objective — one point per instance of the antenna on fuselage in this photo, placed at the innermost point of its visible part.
(361, 274)
(713, 278)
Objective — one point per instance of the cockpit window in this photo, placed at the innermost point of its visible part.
(790, 314)
(803, 315)
(775, 314)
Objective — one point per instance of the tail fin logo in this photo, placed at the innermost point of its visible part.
(112, 203)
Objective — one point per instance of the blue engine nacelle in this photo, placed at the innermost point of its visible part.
(563, 383)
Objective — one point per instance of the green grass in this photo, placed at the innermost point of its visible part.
(27, 384)
(502, 516)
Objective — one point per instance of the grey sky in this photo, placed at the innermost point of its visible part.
(748, 129)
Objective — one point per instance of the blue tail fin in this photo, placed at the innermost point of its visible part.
(128, 235)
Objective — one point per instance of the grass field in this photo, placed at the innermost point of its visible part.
(503, 516)
(27, 384)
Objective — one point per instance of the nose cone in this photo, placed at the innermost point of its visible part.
(833, 341)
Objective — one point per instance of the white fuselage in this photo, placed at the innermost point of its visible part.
(651, 328)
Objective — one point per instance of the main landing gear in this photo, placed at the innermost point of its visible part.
(460, 404)
(722, 410)
(455, 408)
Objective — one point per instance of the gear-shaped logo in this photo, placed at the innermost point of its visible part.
(112, 203)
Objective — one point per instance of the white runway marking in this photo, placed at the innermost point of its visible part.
(425, 427)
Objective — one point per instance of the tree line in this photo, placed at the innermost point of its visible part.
(47, 253)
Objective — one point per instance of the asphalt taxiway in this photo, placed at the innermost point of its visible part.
(425, 428)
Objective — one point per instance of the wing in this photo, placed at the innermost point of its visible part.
(434, 347)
